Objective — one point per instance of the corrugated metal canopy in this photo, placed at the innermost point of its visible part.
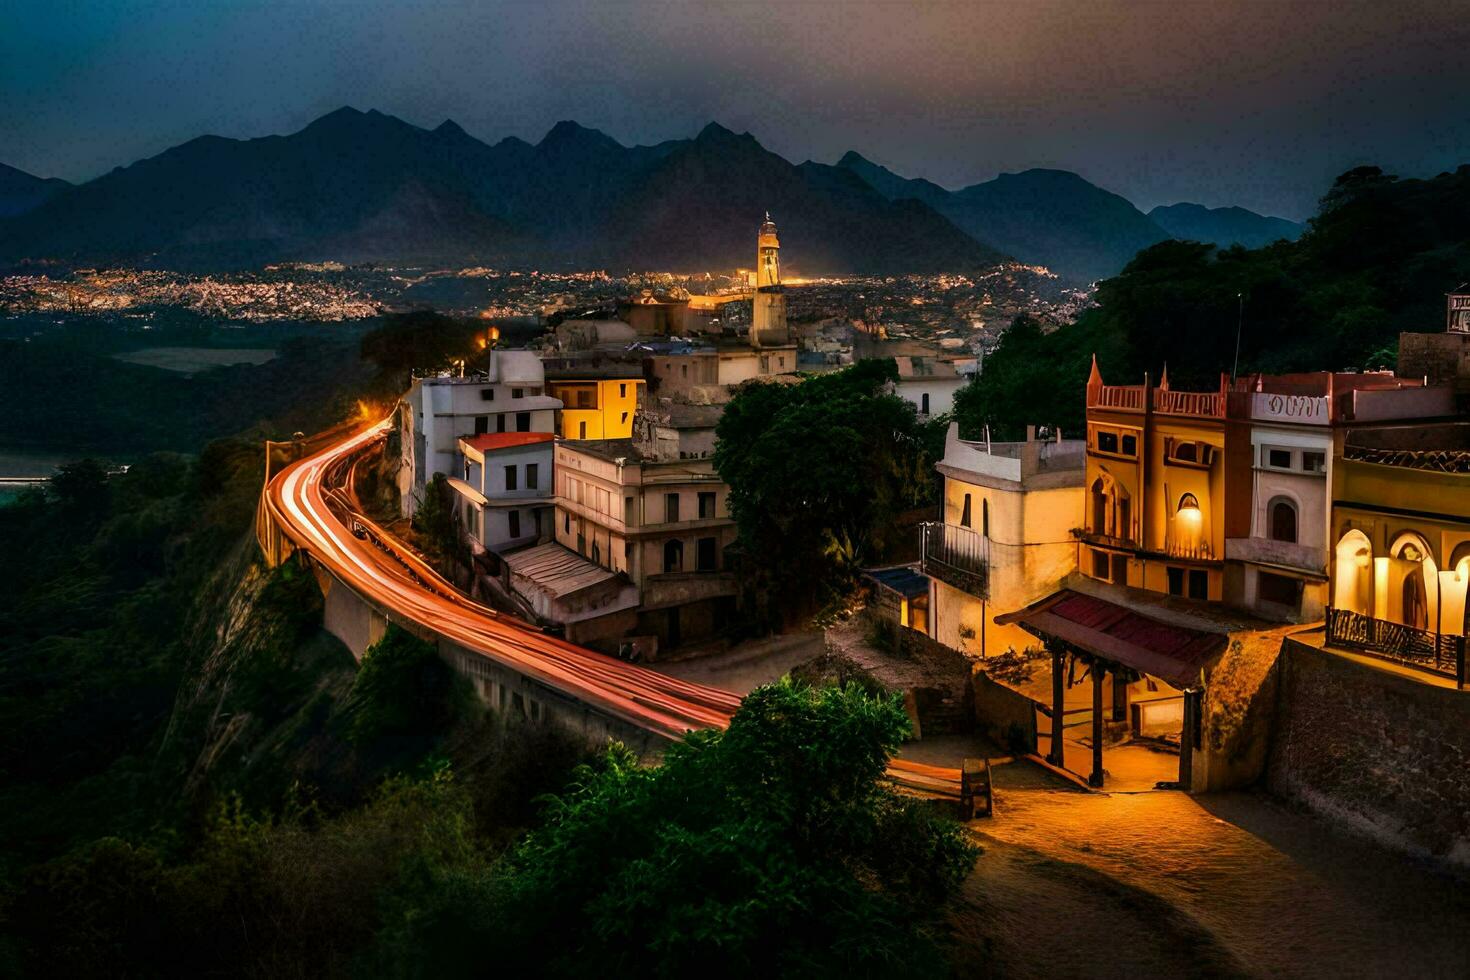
(905, 581)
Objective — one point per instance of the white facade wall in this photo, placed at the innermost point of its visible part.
(940, 392)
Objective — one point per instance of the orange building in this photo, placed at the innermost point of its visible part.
(1156, 512)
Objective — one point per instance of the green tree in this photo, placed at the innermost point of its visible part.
(817, 471)
(403, 688)
(769, 849)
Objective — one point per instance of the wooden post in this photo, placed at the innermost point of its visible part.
(1058, 705)
(1096, 778)
(1186, 741)
(1120, 697)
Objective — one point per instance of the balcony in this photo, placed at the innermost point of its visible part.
(956, 556)
(1124, 398)
(1433, 653)
(1200, 404)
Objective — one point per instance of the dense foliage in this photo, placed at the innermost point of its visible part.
(1376, 261)
(817, 472)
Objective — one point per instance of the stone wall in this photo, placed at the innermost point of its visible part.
(1385, 753)
(1006, 716)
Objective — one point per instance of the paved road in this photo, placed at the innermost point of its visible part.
(308, 502)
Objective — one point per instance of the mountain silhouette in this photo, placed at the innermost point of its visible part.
(364, 186)
(1224, 226)
(21, 192)
(1050, 217)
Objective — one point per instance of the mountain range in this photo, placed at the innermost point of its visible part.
(21, 192)
(1224, 226)
(364, 186)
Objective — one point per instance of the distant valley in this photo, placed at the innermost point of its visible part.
(367, 187)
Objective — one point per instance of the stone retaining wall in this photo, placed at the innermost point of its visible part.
(1385, 753)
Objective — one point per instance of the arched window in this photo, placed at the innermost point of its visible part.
(1099, 507)
(673, 555)
(985, 518)
(1283, 520)
(965, 512)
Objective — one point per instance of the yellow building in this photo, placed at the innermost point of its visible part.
(1156, 514)
(595, 406)
(1401, 554)
(1006, 538)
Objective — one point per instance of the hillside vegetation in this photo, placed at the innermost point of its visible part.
(1376, 260)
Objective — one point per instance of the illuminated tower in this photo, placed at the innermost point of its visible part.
(768, 320)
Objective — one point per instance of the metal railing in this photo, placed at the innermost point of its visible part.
(1434, 653)
(957, 556)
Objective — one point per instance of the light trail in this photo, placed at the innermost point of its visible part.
(311, 502)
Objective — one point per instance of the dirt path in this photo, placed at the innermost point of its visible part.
(1079, 885)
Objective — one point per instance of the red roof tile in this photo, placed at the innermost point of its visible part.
(1105, 629)
(488, 442)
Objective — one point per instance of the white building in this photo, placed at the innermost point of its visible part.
(1281, 570)
(1006, 538)
(437, 412)
(505, 493)
(928, 384)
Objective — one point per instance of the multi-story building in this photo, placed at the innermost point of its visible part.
(1155, 514)
(599, 398)
(661, 522)
(1401, 545)
(1280, 570)
(505, 492)
(1006, 538)
(436, 412)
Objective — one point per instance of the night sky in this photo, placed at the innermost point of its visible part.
(1258, 104)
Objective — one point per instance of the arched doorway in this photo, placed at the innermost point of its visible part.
(1353, 574)
(1414, 581)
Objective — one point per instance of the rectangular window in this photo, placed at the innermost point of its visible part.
(1100, 565)
(1279, 458)
(1314, 462)
(706, 505)
(533, 476)
(482, 424)
(487, 394)
(622, 391)
(566, 522)
(510, 478)
(1176, 581)
(671, 507)
(518, 393)
(1107, 442)
(515, 523)
(523, 421)
(1130, 445)
(1120, 570)
(704, 555)
(500, 422)
(630, 511)
(1199, 584)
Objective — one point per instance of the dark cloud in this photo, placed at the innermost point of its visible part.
(1256, 103)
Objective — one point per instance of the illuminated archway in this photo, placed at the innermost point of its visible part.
(1352, 580)
(1412, 583)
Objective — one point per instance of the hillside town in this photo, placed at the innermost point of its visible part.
(1136, 606)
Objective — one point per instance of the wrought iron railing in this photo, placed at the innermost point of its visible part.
(1434, 653)
(958, 556)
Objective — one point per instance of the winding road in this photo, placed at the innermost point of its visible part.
(311, 502)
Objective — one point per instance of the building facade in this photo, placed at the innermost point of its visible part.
(436, 412)
(1401, 545)
(928, 384)
(596, 403)
(1006, 536)
(505, 491)
(662, 523)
